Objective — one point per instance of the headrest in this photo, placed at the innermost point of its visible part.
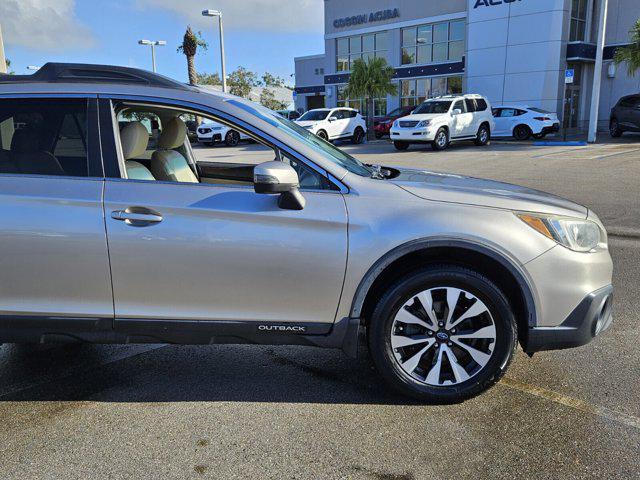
(173, 134)
(24, 140)
(135, 139)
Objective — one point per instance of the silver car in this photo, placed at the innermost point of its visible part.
(112, 232)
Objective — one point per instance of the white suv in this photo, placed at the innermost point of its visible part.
(211, 133)
(442, 120)
(335, 123)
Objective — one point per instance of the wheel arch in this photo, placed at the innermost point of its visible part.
(494, 264)
(525, 125)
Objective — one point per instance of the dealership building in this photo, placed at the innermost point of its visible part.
(512, 51)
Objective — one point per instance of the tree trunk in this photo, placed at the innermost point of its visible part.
(191, 67)
(370, 133)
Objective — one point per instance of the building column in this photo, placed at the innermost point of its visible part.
(597, 71)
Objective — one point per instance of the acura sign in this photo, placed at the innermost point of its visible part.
(492, 3)
(372, 17)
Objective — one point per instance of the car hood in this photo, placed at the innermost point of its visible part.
(489, 193)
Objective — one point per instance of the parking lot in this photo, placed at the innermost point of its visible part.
(291, 412)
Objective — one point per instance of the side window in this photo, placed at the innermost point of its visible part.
(353, 114)
(496, 112)
(481, 104)
(460, 105)
(157, 144)
(520, 112)
(507, 112)
(44, 137)
(471, 104)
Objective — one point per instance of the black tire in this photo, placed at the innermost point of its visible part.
(483, 136)
(539, 136)
(614, 128)
(522, 132)
(441, 141)
(358, 136)
(382, 319)
(323, 135)
(232, 138)
(401, 145)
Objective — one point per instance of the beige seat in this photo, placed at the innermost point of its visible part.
(167, 164)
(135, 139)
(27, 156)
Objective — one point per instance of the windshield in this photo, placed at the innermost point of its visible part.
(434, 106)
(327, 150)
(314, 115)
(396, 112)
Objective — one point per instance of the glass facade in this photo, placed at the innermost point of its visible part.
(578, 29)
(433, 43)
(417, 90)
(350, 49)
(360, 104)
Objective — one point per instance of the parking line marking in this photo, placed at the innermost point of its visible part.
(581, 405)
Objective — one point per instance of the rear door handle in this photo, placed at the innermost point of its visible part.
(137, 216)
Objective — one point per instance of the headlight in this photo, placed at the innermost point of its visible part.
(395, 124)
(423, 123)
(575, 234)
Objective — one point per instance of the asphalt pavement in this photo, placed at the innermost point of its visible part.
(157, 412)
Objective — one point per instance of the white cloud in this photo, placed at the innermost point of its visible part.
(263, 15)
(43, 24)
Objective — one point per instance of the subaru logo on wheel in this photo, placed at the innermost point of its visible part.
(442, 336)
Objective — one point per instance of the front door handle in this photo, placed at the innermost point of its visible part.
(137, 216)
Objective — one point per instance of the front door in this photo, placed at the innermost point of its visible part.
(219, 251)
(54, 248)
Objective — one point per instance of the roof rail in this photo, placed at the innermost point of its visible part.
(88, 73)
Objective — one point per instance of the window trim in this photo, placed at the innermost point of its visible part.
(432, 43)
(199, 109)
(95, 164)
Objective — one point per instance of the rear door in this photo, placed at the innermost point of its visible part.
(462, 120)
(54, 251)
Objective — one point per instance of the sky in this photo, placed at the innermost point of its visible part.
(261, 35)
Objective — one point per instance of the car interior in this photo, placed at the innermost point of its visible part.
(155, 147)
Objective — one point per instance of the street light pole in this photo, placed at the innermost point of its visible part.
(152, 44)
(3, 60)
(217, 13)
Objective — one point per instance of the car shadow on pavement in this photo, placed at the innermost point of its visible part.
(217, 373)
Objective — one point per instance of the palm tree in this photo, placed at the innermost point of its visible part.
(369, 80)
(189, 47)
(631, 53)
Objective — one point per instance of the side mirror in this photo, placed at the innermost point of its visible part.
(332, 119)
(279, 178)
(457, 111)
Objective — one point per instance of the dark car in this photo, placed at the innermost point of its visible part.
(289, 114)
(625, 116)
(382, 125)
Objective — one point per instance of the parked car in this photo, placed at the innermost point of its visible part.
(442, 120)
(334, 124)
(192, 130)
(107, 241)
(211, 133)
(382, 125)
(625, 116)
(289, 114)
(522, 122)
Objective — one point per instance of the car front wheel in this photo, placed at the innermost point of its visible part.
(442, 334)
(323, 135)
(441, 140)
(358, 136)
(232, 138)
(614, 128)
(401, 145)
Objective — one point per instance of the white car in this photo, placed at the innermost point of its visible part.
(523, 121)
(334, 124)
(210, 133)
(442, 120)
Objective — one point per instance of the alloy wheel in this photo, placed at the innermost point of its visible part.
(443, 336)
(484, 135)
(233, 138)
(441, 139)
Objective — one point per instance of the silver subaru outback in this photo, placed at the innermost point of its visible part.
(114, 229)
